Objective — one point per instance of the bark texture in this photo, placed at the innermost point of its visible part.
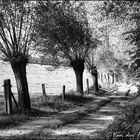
(78, 67)
(19, 69)
(95, 80)
(113, 78)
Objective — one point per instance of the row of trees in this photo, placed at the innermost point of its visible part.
(66, 33)
(58, 30)
(61, 31)
(116, 24)
(127, 15)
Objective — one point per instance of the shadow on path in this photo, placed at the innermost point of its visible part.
(80, 123)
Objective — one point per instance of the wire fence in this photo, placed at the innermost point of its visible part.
(51, 88)
(37, 75)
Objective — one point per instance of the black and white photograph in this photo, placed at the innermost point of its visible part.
(69, 70)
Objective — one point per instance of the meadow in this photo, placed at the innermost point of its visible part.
(39, 74)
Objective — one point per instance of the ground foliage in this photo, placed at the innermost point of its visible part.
(127, 126)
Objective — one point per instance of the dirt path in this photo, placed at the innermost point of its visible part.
(89, 126)
(84, 122)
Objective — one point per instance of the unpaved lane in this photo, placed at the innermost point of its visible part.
(89, 126)
(97, 116)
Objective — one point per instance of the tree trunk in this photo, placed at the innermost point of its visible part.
(78, 67)
(19, 69)
(95, 80)
(113, 80)
(116, 78)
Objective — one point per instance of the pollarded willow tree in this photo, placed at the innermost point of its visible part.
(65, 34)
(16, 25)
(113, 19)
(92, 68)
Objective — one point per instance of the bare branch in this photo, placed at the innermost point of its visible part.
(20, 29)
(5, 40)
(28, 34)
(2, 49)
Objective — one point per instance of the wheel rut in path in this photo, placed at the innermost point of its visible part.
(92, 123)
(97, 115)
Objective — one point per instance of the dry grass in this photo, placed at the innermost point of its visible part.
(51, 106)
(7, 121)
(127, 125)
(50, 109)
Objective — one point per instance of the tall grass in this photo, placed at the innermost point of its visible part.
(127, 126)
(41, 107)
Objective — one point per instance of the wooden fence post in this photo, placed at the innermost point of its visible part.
(7, 96)
(87, 86)
(108, 78)
(43, 90)
(63, 93)
(102, 77)
(113, 78)
(44, 99)
(105, 77)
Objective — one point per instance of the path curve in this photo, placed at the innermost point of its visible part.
(97, 117)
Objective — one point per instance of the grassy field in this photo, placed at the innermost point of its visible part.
(37, 75)
(40, 107)
(52, 113)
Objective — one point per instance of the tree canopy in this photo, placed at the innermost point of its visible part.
(64, 30)
(128, 11)
(16, 22)
(65, 33)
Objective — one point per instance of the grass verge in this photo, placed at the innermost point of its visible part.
(51, 106)
(126, 126)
